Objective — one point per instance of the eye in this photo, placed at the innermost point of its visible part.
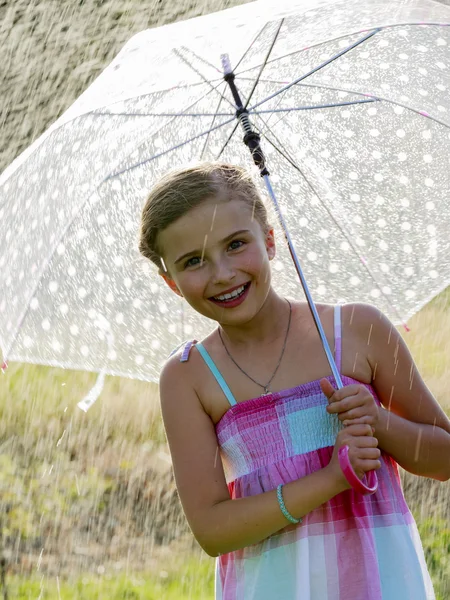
(235, 244)
(189, 262)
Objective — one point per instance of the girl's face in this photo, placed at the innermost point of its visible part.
(216, 249)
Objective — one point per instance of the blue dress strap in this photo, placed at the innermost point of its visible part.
(337, 337)
(215, 371)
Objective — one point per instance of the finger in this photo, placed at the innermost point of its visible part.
(352, 413)
(348, 403)
(358, 430)
(365, 441)
(369, 465)
(367, 420)
(369, 453)
(346, 391)
(327, 388)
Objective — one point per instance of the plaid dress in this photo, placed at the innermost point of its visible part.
(352, 547)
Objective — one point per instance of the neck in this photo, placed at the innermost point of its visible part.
(267, 325)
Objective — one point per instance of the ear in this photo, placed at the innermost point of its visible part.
(171, 283)
(270, 243)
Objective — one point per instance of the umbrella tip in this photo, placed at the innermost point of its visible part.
(226, 64)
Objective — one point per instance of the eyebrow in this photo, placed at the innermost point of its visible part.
(192, 252)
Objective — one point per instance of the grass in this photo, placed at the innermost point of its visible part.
(194, 580)
(88, 507)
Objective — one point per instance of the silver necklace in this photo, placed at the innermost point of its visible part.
(266, 386)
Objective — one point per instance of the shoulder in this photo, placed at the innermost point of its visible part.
(365, 318)
(175, 371)
(372, 329)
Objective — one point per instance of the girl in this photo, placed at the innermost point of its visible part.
(250, 412)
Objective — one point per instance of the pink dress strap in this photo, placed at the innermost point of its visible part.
(186, 350)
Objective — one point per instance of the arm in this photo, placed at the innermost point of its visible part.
(221, 524)
(412, 427)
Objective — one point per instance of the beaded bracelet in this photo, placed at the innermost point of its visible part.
(284, 510)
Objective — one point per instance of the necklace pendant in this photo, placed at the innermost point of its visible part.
(266, 391)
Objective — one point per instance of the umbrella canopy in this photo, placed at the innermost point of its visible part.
(351, 101)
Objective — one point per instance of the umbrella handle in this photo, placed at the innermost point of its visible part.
(350, 475)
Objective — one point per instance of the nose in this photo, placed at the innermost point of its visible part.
(223, 271)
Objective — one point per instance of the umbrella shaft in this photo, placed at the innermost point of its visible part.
(252, 139)
(311, 304)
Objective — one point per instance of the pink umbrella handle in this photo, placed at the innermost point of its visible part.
(350, 475)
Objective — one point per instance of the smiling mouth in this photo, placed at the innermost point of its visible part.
(237, 293)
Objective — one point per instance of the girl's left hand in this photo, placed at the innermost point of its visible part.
(353, 404)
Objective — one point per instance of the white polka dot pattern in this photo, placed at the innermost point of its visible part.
(361, 174)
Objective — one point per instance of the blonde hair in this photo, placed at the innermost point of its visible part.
(181, 190)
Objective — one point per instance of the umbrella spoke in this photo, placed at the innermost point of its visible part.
(171, 121)
(182, 58)
(378, 99)
(313, 107)
(222, 150)
(212, 123)
(278, 146)
(201, 59)
(318, 68)
(129, 114)
(329, 40)
(263, 66)
(251, 46)
(171, 149)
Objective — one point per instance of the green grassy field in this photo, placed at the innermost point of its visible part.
(88, 504)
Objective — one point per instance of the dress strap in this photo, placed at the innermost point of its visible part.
(337, 336)
(215, 371)
(186, 349)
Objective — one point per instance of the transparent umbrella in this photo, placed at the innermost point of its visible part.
(350, 101)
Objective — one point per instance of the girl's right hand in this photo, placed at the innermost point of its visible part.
(363, 452)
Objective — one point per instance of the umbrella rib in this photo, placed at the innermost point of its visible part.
(183, 59)
(255, 83)
(215, 114)
(379, 99)
(201, 59)
(250, 47)
(47, 134)
(331, 215)
(222, 150)
(319, 67)
(316, 45)
(313, 107)
(284, 153)
(212, 123)
(263, 66)
(155, 156)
